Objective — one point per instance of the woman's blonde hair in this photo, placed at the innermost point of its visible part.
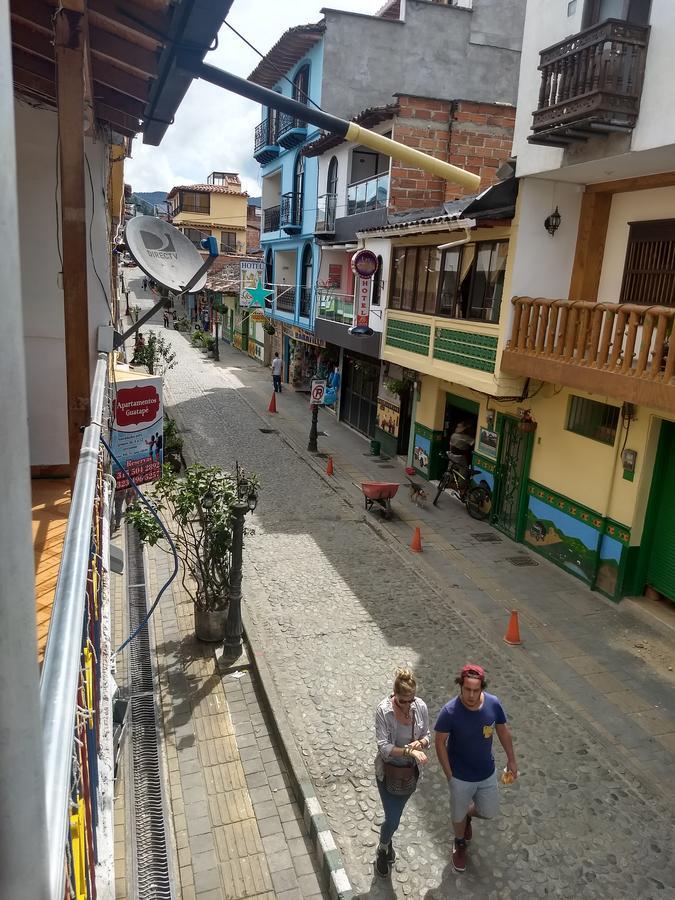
(404, 681)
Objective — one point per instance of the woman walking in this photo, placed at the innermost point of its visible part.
(402, 734)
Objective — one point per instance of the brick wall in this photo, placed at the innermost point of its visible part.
(475, 136)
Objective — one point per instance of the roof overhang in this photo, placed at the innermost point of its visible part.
(368, 118)
(129, 48)
(288, 50)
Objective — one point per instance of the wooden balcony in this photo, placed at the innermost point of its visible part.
(590, 83)
(618, 350)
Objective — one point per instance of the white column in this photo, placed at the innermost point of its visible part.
(22, 795)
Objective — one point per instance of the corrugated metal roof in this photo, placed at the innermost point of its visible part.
(233, 187)
(291, 47)
(224, 275)
(451, 211)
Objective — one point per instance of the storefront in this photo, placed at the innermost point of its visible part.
(395, 401)
(305, 358)
(358, 400)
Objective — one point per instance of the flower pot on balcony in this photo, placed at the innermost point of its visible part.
(527, 425)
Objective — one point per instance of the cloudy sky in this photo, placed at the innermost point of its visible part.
(213, 130)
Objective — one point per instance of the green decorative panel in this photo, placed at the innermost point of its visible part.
(569, 507)
(475, 351)
(408, 336)
(388, 442)
(488, 465)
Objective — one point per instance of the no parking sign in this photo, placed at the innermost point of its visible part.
(318, 392)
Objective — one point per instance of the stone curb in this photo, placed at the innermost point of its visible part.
(316, 822)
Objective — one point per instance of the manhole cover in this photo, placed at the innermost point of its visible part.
(269, 430)
(521, 561)
(487, 537)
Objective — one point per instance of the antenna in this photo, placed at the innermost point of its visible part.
(166, 255)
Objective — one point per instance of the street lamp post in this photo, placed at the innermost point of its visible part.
(233, 626)
(314, 431)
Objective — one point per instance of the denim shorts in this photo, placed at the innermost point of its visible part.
(485, 794)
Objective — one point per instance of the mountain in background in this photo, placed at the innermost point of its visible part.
(151, 197)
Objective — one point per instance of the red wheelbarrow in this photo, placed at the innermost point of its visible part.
(380, 493)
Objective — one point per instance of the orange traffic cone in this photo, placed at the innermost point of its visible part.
(512, 635)
(273, 404)
(329, 466)
(416, 543)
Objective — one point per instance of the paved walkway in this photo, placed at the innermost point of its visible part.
(339, 601)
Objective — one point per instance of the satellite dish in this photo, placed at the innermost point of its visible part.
(164, 253)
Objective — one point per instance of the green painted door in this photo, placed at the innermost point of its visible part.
(661, 566)
(513, 466)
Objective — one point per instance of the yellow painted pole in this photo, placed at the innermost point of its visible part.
(413, 157)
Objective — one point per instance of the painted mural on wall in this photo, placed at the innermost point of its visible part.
(559, 532)
(422, 453)
(483, 472)
(388, 415)
(615, 539)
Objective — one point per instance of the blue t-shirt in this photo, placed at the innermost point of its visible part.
(470, 733)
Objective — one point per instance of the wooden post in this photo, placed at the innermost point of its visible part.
(70, 68)
(590, 249)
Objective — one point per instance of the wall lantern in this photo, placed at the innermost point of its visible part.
(552, 222)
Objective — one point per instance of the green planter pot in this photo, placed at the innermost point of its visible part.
(210, 625)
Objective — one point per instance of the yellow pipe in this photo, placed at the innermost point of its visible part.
(416, 158)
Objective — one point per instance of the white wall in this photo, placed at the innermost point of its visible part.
(36, 139)
(380, 247)
(637, 206)
(547, 23)
(542, 266)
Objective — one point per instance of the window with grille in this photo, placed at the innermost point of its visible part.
(228, 241)
(191, 201)
(591, 419)
(649, 270)
(414, 278)
(195, 235)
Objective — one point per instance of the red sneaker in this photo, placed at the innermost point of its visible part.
(468, 831)
(459, 856)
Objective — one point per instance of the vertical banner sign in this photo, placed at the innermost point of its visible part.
(364, 264)
(138, 428)
(252, 272)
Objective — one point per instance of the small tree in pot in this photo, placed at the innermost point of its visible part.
(200, 512)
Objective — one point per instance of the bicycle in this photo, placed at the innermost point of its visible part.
(476, 498)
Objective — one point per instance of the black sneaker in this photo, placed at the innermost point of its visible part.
(391, 854)
(382, 863)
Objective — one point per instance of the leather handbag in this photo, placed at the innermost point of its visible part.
(401, 781)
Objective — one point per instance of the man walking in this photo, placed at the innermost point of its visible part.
(464, 730)
(277, 367)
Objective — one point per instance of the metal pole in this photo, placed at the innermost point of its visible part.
(314, 430)
(23, 841)
(233, 626)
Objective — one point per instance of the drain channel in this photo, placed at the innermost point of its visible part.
(151, 869)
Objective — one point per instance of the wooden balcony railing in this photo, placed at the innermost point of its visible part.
(591, 82)
(618, 349)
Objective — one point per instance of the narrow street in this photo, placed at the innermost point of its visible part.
(336, 601)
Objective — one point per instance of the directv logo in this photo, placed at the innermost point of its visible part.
(159, 247)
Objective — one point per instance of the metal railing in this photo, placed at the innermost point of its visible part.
(284, 297)
(270, 218)
(288, 122)
(264, 135)
(371, 193)
(291, 209)
(334, 306)
(69, 678)
(326, 206)
(597, 74)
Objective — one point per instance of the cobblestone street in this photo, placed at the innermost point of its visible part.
(336, 604)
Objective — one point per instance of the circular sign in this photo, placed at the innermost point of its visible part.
(164, 253)
(318, 390)
(364, 263)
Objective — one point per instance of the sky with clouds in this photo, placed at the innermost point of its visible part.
(213, 129)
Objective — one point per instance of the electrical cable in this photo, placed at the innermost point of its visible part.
(91, 245)
(277, 70)
(155, 514)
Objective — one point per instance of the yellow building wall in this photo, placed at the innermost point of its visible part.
(226, 210)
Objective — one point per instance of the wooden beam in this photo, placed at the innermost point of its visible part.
(69, 50)
(119, 80)
(131, 13)
(34, 84)
(120, 52)
(590, 249)
(36, 42)
(127, 125)
(105, 96)
(639, 183)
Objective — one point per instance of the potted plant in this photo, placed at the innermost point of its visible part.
(527, 423)
(199, 512)
(398, 386)
(155, 353)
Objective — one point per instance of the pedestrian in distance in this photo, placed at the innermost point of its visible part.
(166, 318)
(145, 284)
(402, 735)
(464, 731)
(159, 442)
(277, 367)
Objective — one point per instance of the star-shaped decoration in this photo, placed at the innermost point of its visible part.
(259, 295)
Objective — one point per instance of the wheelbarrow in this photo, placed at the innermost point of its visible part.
(380, 493)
